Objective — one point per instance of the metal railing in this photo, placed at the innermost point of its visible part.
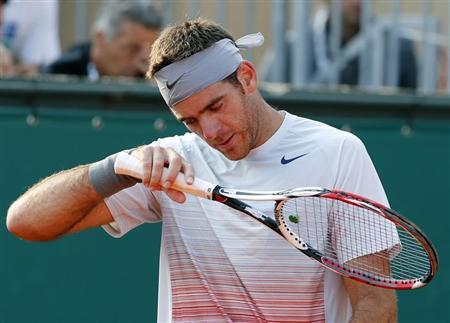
(377, 47)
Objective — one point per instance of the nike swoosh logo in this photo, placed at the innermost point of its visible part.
(285, 161)
(170, 86)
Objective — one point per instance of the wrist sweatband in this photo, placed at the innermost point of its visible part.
(104, 179)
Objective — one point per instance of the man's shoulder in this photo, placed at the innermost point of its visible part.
(314, 128)
(321, 135)
(73, 62)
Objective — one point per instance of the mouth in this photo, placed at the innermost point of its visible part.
(227, 144)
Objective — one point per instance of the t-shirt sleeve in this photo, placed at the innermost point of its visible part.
(130, 208)
(357, 174)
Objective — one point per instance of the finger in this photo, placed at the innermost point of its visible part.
(145, 154)
(176, 196)
(159, 157)
(189, 173)
(174, 167)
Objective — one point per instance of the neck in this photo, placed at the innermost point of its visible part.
(95, 56)
(268, 120)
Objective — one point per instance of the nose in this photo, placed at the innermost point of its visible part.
(210, 128)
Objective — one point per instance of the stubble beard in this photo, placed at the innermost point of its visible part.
(249, 132)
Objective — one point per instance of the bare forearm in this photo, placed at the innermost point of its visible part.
(52, 207)
(371, 304)
(72, 201)
(375, 310)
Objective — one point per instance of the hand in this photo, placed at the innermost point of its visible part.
(7, 67)
(154, 159)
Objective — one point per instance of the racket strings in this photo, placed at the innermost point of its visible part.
(371, 231)
(357, 238)
(383, 261)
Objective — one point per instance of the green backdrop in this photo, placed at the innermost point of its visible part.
(50, 125)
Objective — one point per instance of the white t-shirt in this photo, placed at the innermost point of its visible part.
(30, 30)
(217, 264)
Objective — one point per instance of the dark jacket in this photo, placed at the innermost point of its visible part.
(72, 62)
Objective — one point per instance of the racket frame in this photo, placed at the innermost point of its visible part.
(383, 211)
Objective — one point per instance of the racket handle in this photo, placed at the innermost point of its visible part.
(128, 165)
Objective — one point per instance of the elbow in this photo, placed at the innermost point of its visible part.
(18, 223)
(14, 224)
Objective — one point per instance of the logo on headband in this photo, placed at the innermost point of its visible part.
(170, 86)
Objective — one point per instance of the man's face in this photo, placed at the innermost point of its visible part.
(127, 53)
(221, 115)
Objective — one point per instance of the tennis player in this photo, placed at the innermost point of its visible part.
(216, 264)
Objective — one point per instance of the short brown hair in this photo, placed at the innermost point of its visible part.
(178, 42)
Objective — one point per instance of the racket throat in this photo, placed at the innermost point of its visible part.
(246, 208)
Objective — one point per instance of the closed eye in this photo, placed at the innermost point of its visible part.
(213, 106)
(216, 106)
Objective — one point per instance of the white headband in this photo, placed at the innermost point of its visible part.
(181, 79)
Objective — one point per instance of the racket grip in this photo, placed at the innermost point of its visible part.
(128, 165)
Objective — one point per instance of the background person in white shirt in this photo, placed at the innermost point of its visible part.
(30, 31)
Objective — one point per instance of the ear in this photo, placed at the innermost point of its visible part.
(99, 39)
(247, 76)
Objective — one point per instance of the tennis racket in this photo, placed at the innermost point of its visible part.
(348, 234)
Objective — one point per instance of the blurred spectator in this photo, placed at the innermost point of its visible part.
(442, 81)
(2, 5)
(7, 67)
(122, 37)
(30, 34)
(351, 13)
(320, 50)
(6, 60)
